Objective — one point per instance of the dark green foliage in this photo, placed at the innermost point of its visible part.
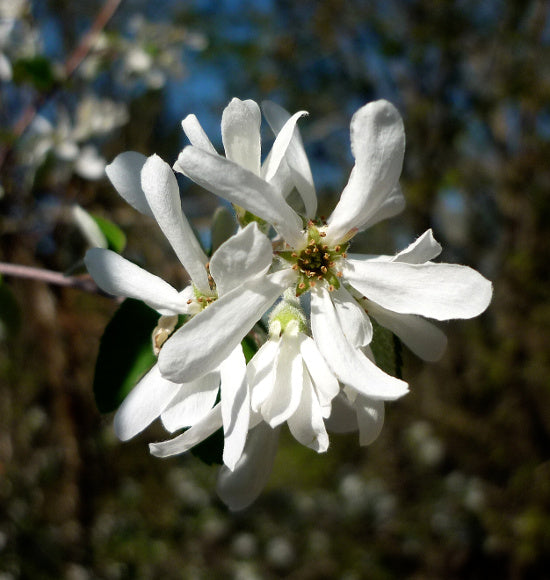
(115, 237)
(36, 71)
(125, 353)
(387, 350)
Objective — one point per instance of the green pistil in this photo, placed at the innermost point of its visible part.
(317, 262)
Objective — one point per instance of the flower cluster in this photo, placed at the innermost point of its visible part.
(287, 279)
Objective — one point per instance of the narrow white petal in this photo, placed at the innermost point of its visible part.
(235, 402)
(119, 277)
(208, 338)
(193, 401)
(241, 134)
(343, 418)
(287, 389)
(196, 135)
(145, 402)
(326, 384)
(348, 363)
(239, 488)
(370, 417)
(245, 255)
(378, 145)
(306, 423)
(161, 188)
(421, 336)
(124, 173)
(424, 249)
(355, 323)
(261, 372)
(208, 425)
(280, 146)
(295, 157)
(241, 187)
(393, 204)
(440, 291)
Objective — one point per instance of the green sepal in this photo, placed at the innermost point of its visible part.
(125, 353)
(387, 350)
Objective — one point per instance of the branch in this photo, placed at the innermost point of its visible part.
(84, 282)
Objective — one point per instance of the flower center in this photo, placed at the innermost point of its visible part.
(317, 261)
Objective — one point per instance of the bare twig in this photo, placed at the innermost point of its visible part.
(83, 282)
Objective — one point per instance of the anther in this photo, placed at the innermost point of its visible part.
(326, 256)
(301, 285)
(332, 264)
(325, 247)
(189, 301)
(294, 255)
(331, 288)
(315, 249)
(322, 234)
(340, 274)
(312, 283)
(337, 248)
(344, 255)
(295, 266)
(311, 242)
(307, 251)
(324, 269)
(320, 277)
(207, 265)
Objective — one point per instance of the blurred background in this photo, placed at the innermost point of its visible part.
(458, 484)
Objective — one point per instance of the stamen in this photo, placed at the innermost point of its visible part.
(322, 234)
(340, 274)
(189, 301)
(312, 283)
(324, 269)
(331, 288)
(301, 285)
(295, 266)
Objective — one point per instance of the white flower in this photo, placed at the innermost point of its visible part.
(397, 291)
(290, 381)
(235, 287)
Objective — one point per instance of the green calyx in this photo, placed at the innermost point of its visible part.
(317, 261)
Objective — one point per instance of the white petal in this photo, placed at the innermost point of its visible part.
(196, 134)
(241, 187)
(370, 416)
(306, 423)
(280, 146)
(241, 134)
(424, 249)
(245, 255)
(421, 336)
(261, 372)
(295, 157)
(235, 401)
(208, 338)
(193, 401)
(343, 418)
(208, 425)
(440, 291)
(119, 277)
(239, 488)
(348, 363)
(161, 188)
(125, 174)
(145, 402)
(326, 384)
(355, 323)
(287, 389)
(378, 145)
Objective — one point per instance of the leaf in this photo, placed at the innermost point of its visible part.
(223, 226)
(10, 313)
(37, 71)
(114, 235)
(387, 350)
(125, 353)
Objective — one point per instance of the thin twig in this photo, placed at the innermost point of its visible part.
(84, 282)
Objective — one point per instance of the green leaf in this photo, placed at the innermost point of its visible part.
(114, 235)
(223, 226)
(125, 353)
(10, 312)
(387, 350)
(37, 71)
